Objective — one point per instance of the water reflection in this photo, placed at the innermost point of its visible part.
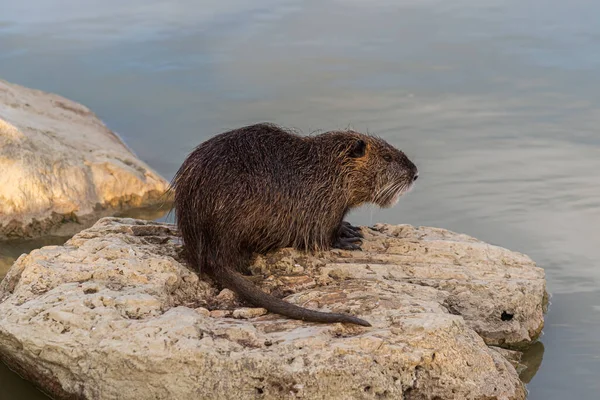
(532, 359)
(10, 250)
(14, 387)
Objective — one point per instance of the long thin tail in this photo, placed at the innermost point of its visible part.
(244, 288)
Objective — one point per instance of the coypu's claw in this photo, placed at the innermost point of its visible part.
(349, 237)
(350, 231)
(347, 243)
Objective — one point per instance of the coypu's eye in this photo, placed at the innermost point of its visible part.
(387, 157)
(358, 149)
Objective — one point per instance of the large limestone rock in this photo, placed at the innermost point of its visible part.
(113, 314)
(61, 166)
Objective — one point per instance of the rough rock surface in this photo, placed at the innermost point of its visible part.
(113, 314)
(61, 166)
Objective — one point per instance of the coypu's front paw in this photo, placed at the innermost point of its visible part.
(347, 243)
(349, 231)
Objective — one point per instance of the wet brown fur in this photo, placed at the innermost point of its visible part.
(260, 187)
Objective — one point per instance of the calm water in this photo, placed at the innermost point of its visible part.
(497, 102)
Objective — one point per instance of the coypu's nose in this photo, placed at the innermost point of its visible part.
(416, 176)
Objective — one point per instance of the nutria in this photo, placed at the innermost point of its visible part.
(260, 187)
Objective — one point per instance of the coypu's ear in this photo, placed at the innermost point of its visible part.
(358, 149)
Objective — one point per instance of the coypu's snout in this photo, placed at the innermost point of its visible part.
(398, 177)
(383, 173)
(414, 173)
(415, 176)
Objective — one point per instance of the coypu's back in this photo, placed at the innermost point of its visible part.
(260, 188)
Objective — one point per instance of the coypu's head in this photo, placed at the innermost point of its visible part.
(378, 172)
